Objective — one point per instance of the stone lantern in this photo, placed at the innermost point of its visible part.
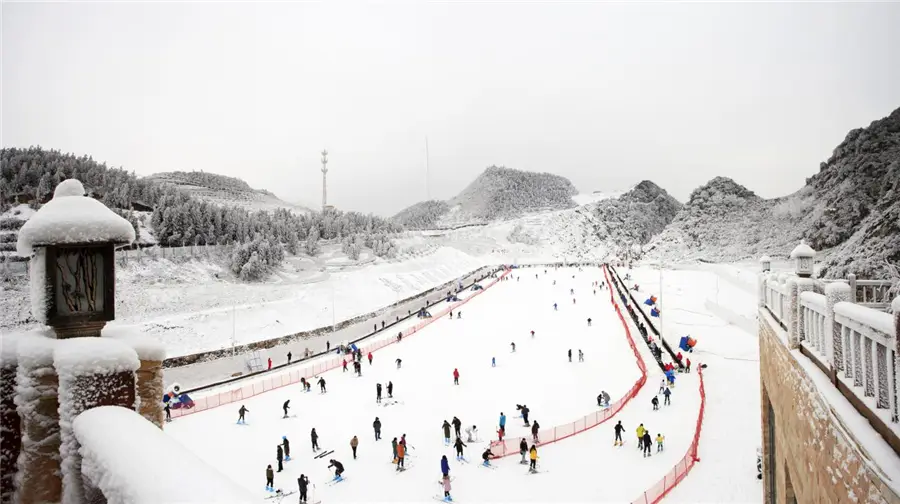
(803, 255)
(766, 263)
(71, 241)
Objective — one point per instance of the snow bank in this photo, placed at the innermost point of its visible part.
(880, 321)
(136, 462)
(71, 217)
(88, 356)
(147, 348)
(815, 299)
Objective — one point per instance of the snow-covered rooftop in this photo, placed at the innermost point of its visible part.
(71, 217)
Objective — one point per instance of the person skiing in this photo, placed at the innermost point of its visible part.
(327, 346)
(666, 394)
(687, 364)
(241, 414)
(525, 412)
(532, 334)
(493, 362)
(287, 448)
(640, 435)
(655, 403)
(398, 361)
(270, 363)
(401, 452)
(455, 376)
(513, 345)
(370, 358)
(399, 339)
(279, 456)
(357, 367)
(523, 450)
(554, 306)
(390, 388)
(378, 393)
(500, 433)
(659, 442)
(457, 425)
(302, 486)
(486, 457)
(322, 385)
(270, 478)
(580, 355)
(308, 385)
(394, 448)
(445, 466)
(589, 319)
(446, 427)
(534, 457)
(289, 357)
(662, 385)
(445, 482)
(619, 430)
(535, 427)
(286, 406)
(338, 469)
(315, 440)
(345, 365)
(353, 444)
(647, 444)
(502, 420)
(471, 434)
(570, 355)
(458, 444)
(168, 413)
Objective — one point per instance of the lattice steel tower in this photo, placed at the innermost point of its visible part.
(324, 180)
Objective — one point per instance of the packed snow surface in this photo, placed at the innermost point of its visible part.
(538, 374)
(136, 463)
(72, 217)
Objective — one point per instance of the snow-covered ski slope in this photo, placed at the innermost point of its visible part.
(585, 467)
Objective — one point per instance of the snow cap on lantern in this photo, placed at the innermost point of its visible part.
(766, 263)
(71, 241)
(803, 256)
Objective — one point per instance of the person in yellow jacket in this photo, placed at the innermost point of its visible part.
(534, 457)
(640, 434)
(659, 442)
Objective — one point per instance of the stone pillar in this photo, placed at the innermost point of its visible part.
(38, 479)
(10, 427)
(150, 373)
(761, 289)
(795, 286)
(92, 372)
(835, 292)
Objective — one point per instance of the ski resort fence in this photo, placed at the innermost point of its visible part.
(681, 469)
(510, 446)
(313, 370)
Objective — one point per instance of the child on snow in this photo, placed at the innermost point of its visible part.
(659, 442)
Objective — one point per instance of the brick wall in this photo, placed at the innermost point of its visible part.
(815, 461)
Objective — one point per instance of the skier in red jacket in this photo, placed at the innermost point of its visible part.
(455, 376)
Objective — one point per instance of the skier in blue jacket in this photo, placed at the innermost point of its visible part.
(445, 466)
(502, 421)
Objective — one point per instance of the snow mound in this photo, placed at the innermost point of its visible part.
(81, 356)
(71, 217)
(137, 463)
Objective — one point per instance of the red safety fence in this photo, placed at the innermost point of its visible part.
(292, 377)
(510, 446)
(662, 487)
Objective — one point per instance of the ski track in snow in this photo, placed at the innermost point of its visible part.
(538, 374)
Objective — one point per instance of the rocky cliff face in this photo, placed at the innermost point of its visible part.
(635, 217)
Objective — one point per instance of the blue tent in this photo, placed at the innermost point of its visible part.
(648, 302)
(654, 313)
(353, 347)
(670, 375)
(683, 344)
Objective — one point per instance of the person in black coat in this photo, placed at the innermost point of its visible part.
(322, 385)
(270, 477)
(378, 393)
(377, 426)
(619, 430)
(457, 425)
(338, 468)
(287, 447)
(523, 450)
(648, 443)
(279, 456)
(302, 485)
(534, 431)
(241, 414)
(315, 439)
(390, 385)
(286, 406)
(459, 447)
(525, 412)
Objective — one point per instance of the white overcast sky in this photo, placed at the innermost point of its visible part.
(606, 94)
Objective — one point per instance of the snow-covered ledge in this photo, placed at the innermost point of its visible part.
(92, 372)
(137, 463)
(151, 353)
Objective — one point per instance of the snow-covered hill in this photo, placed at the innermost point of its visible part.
(499, 193)
(849, 211)
(226, 191)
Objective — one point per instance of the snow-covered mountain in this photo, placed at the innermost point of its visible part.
(634, 217)
(224, 190)
(849, 211)
(497, 194)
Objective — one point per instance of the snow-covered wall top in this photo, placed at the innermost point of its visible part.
(137, 463)
(81, 356)
(71, 217)
(147, 348)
